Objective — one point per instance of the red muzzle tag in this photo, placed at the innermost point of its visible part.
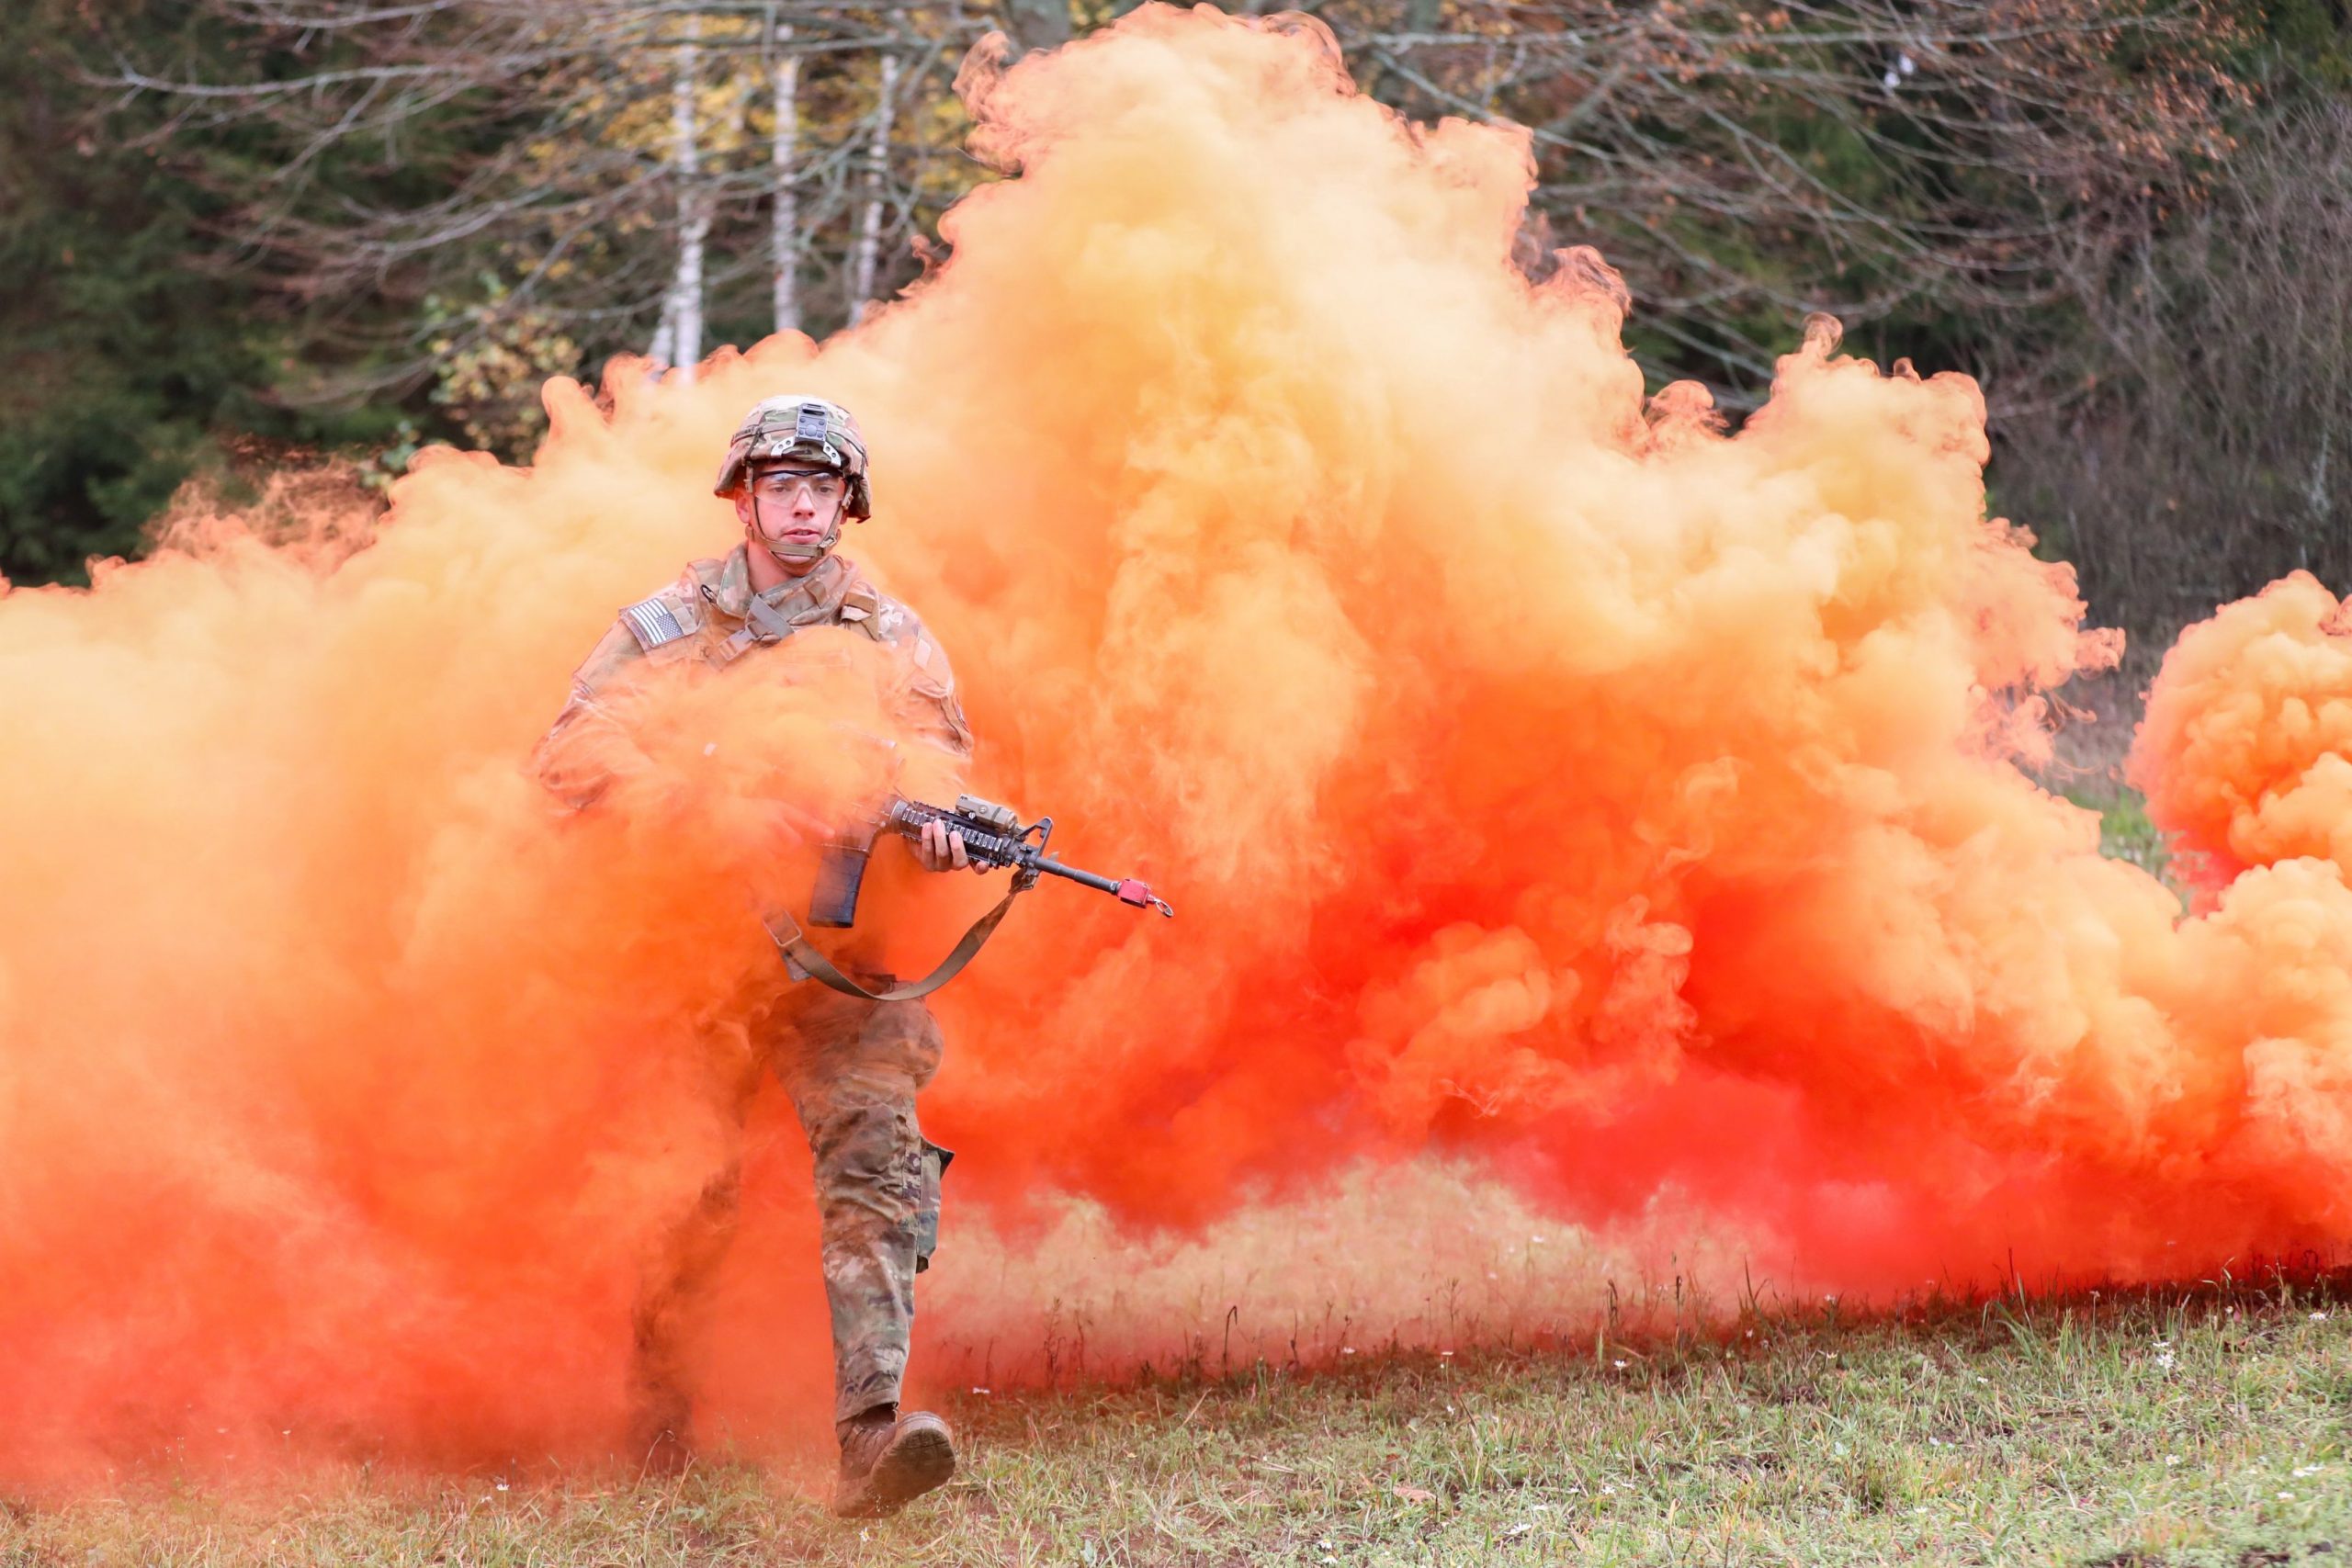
(1142, 897)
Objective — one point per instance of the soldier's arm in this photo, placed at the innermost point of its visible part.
(929, 703)
(932, 712)
(590, 747)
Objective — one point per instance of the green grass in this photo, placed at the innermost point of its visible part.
(2202, 1427)
(2124, 830)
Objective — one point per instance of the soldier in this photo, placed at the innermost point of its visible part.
(795, 469)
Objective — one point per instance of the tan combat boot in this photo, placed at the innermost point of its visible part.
(890, 1460)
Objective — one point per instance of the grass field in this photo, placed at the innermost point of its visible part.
(2204, 1426)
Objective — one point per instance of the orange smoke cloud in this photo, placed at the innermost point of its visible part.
(2246, 753)
(1545, 779)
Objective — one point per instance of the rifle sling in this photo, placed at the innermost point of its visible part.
(795, 946)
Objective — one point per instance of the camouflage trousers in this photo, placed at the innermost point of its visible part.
(853, 1069)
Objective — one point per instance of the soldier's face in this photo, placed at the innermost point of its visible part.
(797, 509)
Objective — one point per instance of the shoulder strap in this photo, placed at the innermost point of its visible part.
(767, 620)
(802, 955)
(861, 607)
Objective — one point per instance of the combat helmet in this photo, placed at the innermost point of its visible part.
(803, 429)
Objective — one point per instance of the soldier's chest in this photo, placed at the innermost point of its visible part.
(821, 651)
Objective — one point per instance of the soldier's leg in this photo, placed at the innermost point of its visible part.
(854, 1077)
(674, 1289)
(667, 1310)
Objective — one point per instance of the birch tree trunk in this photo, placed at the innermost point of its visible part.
(878, 172)
(784, 245)
(683, 310)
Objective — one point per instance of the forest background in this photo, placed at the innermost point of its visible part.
(240, 236)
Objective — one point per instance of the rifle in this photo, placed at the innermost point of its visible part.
(994, 835)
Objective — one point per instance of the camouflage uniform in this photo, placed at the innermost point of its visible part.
(711, 613)
(852, 1067)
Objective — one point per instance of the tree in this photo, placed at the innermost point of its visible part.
(136, 353)
(395, 205)
(1932, 172)
(867, 256)
(634, 170)
(2209, 450)
(784, 143)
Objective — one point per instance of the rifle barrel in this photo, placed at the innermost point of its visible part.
(1052, 867)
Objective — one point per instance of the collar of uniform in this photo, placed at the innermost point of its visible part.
(820, 588)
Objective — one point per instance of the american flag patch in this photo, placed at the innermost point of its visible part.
(652, 623)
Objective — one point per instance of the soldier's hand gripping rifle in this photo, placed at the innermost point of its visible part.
(993, 836)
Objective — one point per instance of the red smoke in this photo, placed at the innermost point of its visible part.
(1545, 779)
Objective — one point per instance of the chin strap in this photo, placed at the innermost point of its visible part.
(817, 551)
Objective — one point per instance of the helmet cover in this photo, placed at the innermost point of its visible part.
(799, 430)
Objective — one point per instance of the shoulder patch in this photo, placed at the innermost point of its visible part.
(652, 623)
